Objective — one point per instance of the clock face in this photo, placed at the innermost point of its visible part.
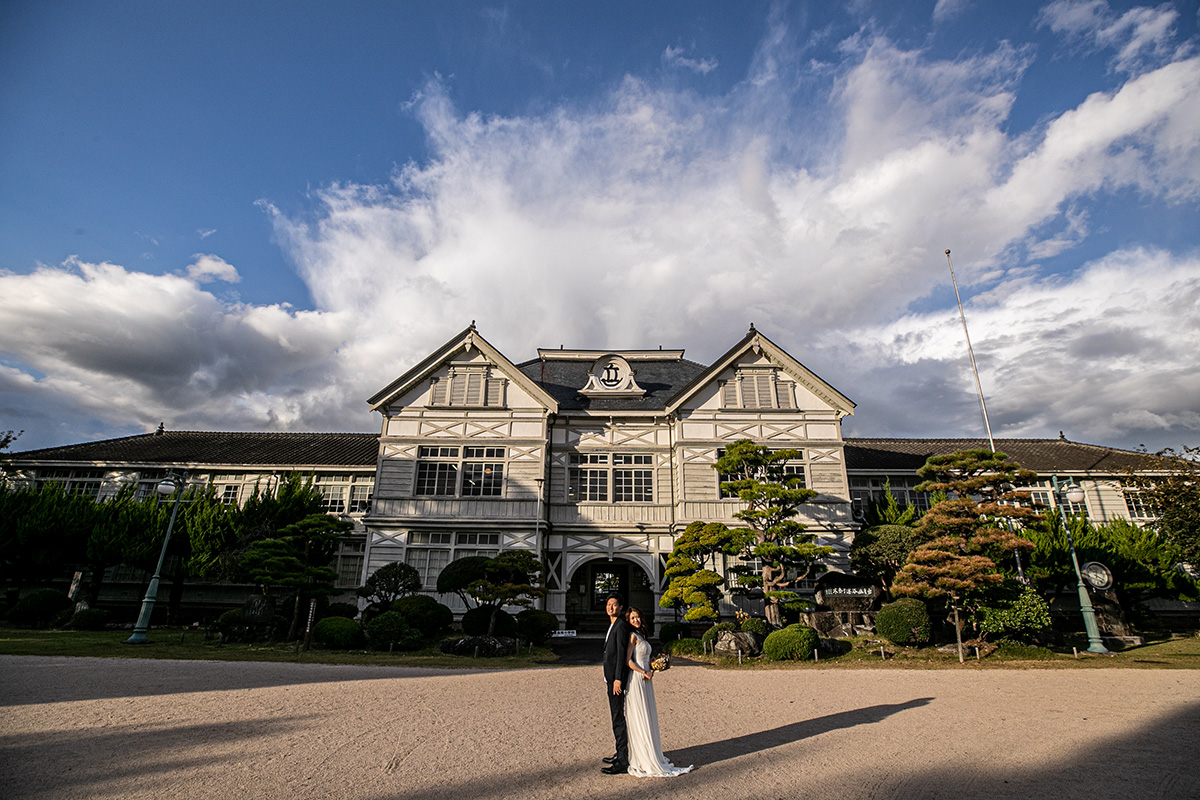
(1096, 574)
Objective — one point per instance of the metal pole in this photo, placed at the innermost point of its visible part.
(1095, 643)
(971, 352)
(143, 621)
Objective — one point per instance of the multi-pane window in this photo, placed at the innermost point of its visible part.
(84, 482)
(341, 494)
(1139, 507)
(229, 494)
(360, 498)
(430, 556)
(443, 472)
(476, 544)
(625, 477)
(633, 478)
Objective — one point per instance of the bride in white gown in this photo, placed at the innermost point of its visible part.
(646, 758)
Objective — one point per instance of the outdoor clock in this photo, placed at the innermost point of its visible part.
(1097, 575)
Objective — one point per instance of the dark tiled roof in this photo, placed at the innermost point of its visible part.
(1041, 455)
(201, 447)
(562, 380)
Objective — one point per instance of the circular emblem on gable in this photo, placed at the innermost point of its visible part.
(611, 375)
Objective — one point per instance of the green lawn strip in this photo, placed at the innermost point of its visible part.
(176, 644)
(1160, 654)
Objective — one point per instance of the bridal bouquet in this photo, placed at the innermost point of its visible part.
(661, 664)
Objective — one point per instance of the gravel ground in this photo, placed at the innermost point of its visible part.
(131, 728)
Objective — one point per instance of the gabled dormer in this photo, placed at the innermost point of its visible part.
(466, 373)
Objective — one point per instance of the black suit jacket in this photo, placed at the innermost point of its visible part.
(616, 654)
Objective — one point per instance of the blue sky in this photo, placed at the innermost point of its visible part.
(251, 216)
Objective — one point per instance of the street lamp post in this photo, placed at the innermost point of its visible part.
(169, 486)
(1073, 493)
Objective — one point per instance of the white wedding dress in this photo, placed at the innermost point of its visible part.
(646, 758)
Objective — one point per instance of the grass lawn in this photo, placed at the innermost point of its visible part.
(192, 644)
(865, 654)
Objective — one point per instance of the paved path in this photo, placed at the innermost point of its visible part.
(131, 728)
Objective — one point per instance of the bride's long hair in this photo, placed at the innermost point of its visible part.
(644, 628)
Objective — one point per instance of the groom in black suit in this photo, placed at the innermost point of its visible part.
(616, 678)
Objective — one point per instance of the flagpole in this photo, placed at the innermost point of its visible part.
(971, 351)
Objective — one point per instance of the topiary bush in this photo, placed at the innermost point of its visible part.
(670, 631)
(90, 619)
(347, 610)
(757, 625)
(424, 613)
(338, 633)
(1022, 619)
(536, 625)
(710, 635)
(389, 629)
(793, 643)
(38, 608)
(684, 647)
(475, 622)
(904, 622)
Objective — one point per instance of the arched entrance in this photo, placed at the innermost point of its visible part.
(591, 584)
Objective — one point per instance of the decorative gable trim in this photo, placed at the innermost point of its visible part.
(765, 380)
(467, 380)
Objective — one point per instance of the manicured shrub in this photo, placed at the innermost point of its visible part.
(710, 635)
(338, 633)
(536, 625)
(90, 619)
(389, 629)
(475, 622)
(347, 610)
(904, 622)
(38, 608)
(793, 643)
(230, 622)
(424, 613)
(684, 647)
(1022, 619)
(671, 631)
(757, 625)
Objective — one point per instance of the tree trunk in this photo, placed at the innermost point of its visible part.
(957, 628)
(293, 629)
(492, 620)
(774, 616)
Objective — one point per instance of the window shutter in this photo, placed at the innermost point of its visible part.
(474, 384)
(438, 393)
(729, 394)
(784, 395)
(495, 392)
(458, 389)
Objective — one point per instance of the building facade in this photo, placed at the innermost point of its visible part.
(594, 460)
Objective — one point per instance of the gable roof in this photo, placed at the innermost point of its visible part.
(204, 447)
(1041, 455)
(758, 342)
(563, 376)
(469, 339)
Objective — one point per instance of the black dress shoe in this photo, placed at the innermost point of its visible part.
(615, 769)
(609, 760)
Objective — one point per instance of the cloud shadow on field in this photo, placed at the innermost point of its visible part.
(714, 752)
(29, 680)
(100, 762)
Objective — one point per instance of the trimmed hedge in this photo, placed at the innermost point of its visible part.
(475, 622)
(757, 625)
(389, 629)
(90, 619)
(536, 625)
(338, 633)
(424, 613)
(710, 635)
(347, 610)
(670, 631)
(38, 608)
(793, 643)
(684, 647)
(904, 622)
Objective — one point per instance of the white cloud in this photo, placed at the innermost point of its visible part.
(205, 232)
(674, 57)
(667, 217)
(207, 268)
(1142, 37)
